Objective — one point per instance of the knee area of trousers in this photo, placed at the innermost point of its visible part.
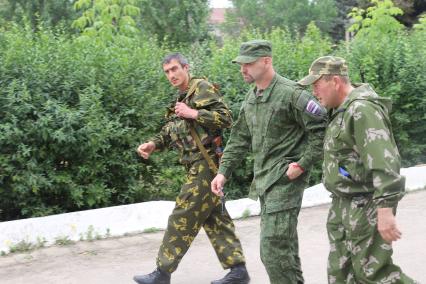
(280, 263)
(284, 271)
(369, 275)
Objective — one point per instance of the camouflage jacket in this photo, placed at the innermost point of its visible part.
(213, 116)
(286, 124)
(360, 154)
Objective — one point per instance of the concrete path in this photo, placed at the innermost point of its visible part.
(115, 261)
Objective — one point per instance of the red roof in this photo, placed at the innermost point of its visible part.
(217, 15)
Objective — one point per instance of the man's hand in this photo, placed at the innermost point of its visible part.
(217, 184)
(145, 149)
(184, 111)
(294, 171)
(386, 225)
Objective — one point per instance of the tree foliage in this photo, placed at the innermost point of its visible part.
(107, 17)
(412, 10)
(183, 21)
(422, 23)
(49, 12)
(294, 15)
(341, 22)
(378, 19)
(389, 57)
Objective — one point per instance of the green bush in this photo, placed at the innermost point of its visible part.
(72, 113)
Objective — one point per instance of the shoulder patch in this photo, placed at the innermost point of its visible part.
(314, 108)
(308, 104)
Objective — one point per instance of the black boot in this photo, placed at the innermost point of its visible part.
(237, 275)
(156, 277)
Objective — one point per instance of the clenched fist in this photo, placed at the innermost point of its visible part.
(144, 150)
(184, 111)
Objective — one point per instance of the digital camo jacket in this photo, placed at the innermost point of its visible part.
(286, 124)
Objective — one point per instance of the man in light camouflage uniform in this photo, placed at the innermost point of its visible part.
(361, 170)
(283, 126)
(200, 106)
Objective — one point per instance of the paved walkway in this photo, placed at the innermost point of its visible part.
(115, 261)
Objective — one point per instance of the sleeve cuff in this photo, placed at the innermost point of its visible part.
(225, 171)
(202, 115)
(304, 163)
(389, 201)
(158, 143)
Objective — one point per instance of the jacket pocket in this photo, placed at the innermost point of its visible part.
(284, 195)
(362, 217)
(184, 138)
(276, 123)
(352, 169)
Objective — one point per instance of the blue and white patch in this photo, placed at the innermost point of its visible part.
(314, 108)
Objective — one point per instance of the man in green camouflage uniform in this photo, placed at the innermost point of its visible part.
(361, 170)
(200, 106)
(283, 126)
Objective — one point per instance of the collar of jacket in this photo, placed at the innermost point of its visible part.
(265, 95)
(183, 96)
(352, 96)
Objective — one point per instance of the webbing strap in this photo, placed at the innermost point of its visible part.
(203, 150)
(194, 134)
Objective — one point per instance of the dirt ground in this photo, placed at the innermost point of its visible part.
(116, 260)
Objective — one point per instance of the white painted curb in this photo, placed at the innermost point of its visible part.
(134, 218)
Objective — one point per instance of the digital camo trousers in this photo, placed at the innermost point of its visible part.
(279, 245)
(196, 207)
(358, 254)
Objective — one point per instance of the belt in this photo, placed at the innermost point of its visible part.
(359, 195)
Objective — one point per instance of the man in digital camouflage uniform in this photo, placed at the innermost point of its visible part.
(196, 206)
(361, 170)
(283, 127)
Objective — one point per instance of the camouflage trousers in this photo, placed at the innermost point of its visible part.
(279, 245)
(358, 254)
(196, 207)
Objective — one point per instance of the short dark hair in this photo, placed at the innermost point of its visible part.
(328, 77)
(177, 56)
